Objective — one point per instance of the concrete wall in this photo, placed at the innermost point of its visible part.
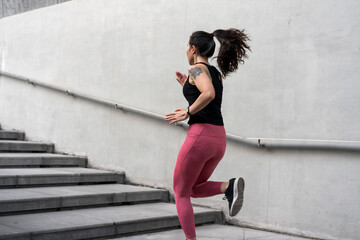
(12, 7)
(301, 81)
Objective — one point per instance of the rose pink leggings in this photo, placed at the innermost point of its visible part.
(198, 157)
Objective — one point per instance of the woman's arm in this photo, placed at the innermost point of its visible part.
(202, 79)
(181, 78)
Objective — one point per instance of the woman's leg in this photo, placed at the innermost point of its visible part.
(224, 186)
(193, 165)
(204, 188)
(187, 170)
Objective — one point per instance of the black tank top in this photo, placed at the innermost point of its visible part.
(211, 113)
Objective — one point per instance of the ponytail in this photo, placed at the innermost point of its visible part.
(232, 50)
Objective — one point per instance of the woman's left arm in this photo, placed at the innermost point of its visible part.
(202, 79)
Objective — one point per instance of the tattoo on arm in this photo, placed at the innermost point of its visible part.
(208, 73)
(196, 71)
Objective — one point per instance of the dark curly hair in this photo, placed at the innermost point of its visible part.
(233, 47)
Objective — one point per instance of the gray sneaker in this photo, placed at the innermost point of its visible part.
(235, 195)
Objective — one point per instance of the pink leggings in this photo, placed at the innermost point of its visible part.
(198, 157)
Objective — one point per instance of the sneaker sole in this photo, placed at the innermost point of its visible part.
(238, 191)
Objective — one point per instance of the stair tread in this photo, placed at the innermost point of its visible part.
(69, 191)
(10, 131)
(102, 216)
(214, 232)
(35, 155)
(51, 171)
(31, 160)
(23, 142)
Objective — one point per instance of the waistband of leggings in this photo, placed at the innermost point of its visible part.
(206, 129)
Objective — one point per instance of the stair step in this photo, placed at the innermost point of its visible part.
(99, 222)
(45, 198)
(25, 146)
(30, 177)
(12, 135)
(17, 160)
(214, 232)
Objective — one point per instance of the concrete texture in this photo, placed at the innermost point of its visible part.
(25, 146)
(215, 232)
(11, 135)
(25, 199)
(18, 205)
(45, 176)
(301, 81)
(98, 222)
(12, 7)
(13, 160)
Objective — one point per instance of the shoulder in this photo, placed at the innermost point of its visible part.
(197, 70)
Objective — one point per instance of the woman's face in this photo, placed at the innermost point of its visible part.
(190, 54)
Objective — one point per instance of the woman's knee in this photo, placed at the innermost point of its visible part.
(178, 187)
(195, 195)
(181, 190)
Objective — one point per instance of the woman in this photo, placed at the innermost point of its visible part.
(205, 142)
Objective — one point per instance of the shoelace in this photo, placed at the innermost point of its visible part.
(226, 197)
(226, 193)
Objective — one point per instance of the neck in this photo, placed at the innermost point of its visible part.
(200, 59)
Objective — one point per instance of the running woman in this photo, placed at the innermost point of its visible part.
(205, 142)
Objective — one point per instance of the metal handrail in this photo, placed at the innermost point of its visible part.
(252, 141)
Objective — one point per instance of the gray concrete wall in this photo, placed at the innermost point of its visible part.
(300, 82)
(12, 7)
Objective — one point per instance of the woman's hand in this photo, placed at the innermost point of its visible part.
(181, 78)
(179, 115)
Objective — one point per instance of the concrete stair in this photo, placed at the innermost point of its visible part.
(215, 232)
(55, 198)
(37, 160)
(45, 195)
(98, 222)
(22, 177)
(24, 146)
(12, 135)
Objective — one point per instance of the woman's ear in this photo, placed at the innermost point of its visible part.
(193, 49)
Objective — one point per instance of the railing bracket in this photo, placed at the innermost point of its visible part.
(29, 82)
(260, 145)
(68, 92)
